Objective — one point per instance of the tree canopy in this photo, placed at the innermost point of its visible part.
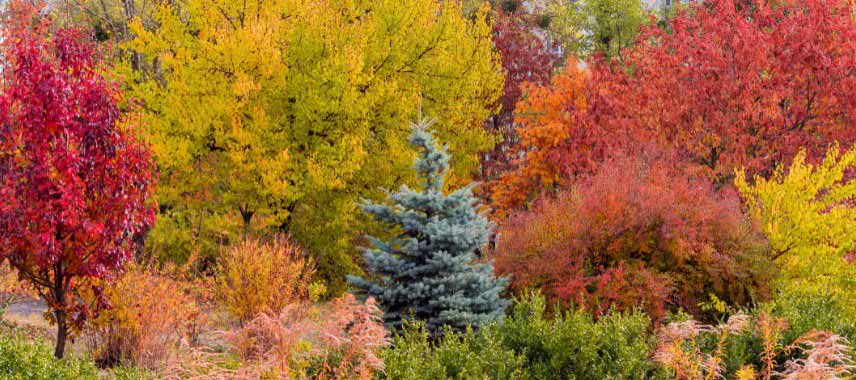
(74, 178)
(728, 84)
(809, 216)
(280, 114)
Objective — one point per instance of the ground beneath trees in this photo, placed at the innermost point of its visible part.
(26, 311)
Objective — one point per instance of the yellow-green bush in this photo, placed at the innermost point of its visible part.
(256, 277)
(529, 345)
(23, 360)
(808, 213)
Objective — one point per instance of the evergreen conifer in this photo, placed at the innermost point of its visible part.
(428, 271)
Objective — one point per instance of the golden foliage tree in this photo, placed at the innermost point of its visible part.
(809, 216)
(283, 113)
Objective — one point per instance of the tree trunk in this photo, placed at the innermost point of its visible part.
(59, 304)
(130, 14)
(61, 333)
(285, 225)
(247, 216)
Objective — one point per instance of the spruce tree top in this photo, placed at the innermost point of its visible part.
(428, 271)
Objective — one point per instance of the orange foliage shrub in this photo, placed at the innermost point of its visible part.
(256, 277)
(11, 284)
(12, 288)
(637, 232)
(150, 315)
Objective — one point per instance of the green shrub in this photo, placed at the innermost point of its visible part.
(573, 345)
(131, 373)
(22, 360)
(814, 312)
(528, 345)
(454, 356)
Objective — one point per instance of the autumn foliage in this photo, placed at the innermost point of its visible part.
(340, 340)
(256, 277)
(528, 58)
(287, 118)
(728, 84)
(674, 200)
(636, 232)
(739, 84)
(74, 181)
(343, 339)
(545, 115)
(151, 315)
(815, 355)
(809, 216)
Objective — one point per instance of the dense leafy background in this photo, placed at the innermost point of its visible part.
(667, 188)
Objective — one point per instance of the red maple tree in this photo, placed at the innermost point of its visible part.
(737, 83)
(728, 84)
(74, 184)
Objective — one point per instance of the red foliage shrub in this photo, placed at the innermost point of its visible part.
(637, 232)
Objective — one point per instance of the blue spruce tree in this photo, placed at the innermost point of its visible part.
(427, 272)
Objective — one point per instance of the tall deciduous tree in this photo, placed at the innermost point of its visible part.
(528, 57)
(592, 27)
(730, 84)
(73, 181)
(427, 271)
(282, 113)
(737, 84)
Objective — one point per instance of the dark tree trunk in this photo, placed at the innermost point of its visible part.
(247, 216)
(285, 224)
(58, 293)
(130, 13)
(61, 333)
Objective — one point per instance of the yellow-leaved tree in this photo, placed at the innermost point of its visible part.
(809, 216)
(282, 114)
